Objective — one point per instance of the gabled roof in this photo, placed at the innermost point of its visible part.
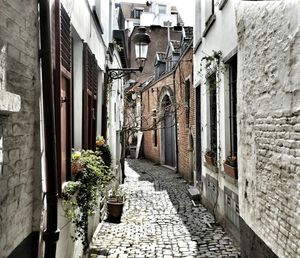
(175, 44)
(160, 56)
(127, 8)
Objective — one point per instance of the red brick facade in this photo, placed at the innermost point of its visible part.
(185, 109)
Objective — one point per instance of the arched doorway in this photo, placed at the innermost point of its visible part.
(168, 131)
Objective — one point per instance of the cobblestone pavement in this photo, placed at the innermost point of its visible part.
(159, 220)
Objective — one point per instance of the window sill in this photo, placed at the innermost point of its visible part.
(229, 179)
(209, 24)
(212, 168)
(9, 103)
(222, 4)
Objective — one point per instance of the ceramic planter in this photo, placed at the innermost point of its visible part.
(114, 210)
(230, 170)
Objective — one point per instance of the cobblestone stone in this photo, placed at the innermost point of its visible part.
(159, 220)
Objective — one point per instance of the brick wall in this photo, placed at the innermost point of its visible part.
(185, 129)
(150, 102)
(19, 131)
(269, 127)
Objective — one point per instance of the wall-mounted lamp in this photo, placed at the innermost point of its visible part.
(141, 41)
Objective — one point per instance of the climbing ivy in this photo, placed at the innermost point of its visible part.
(80, 196)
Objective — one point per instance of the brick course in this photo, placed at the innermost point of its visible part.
(20, 176)
(150, 97)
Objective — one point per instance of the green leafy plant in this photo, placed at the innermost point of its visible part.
(213, 66)
(231, 161)
(80, 196)
(117, 195)
(102, 150)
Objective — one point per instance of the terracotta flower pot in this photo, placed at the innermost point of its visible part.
(209, 160)
(230, 170)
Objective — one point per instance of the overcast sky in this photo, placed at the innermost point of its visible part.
(186, 8)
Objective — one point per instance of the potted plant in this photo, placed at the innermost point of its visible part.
(210, 157)
(79, 197)
(230, 166)
(115, 203)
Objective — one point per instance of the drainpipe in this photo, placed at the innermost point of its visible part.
(176, 133)
(51, 234)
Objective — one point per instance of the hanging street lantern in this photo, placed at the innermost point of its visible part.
(141, 41)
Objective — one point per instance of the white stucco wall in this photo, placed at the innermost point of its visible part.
(269, 128)
(115, 113)
(79, 11)
(78, 91)
(222, 36)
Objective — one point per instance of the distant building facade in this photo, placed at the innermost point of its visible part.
(157, 13)
(168, 104)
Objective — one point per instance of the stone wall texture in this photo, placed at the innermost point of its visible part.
(269, 122)
(19, 132)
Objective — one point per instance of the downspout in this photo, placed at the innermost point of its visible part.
(176, 133)
(51, 234)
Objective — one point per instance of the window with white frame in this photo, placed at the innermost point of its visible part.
(162, 9)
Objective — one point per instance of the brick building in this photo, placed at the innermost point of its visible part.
(168, 105)
(20, 167)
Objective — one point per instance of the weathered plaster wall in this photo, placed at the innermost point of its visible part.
(19, 131)
(269, 127)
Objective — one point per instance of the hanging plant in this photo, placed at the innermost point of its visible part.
(80, 196)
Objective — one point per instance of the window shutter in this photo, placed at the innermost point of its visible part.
(90, 89)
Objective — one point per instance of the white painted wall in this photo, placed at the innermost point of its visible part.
(115, 114)
(80, 14)
(222, 36)
(153, 17)
(84, 30)
(78, 91)
(100, 102)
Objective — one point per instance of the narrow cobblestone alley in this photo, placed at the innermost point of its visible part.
(159, 220)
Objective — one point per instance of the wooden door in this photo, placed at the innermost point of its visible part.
(169, 140)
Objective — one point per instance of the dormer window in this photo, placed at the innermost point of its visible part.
(137, 13)
(162, 9)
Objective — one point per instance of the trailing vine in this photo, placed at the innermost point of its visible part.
(214, 66)
(91, 176)
(211, 64)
